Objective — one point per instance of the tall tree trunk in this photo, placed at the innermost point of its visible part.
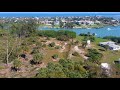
(7, 53)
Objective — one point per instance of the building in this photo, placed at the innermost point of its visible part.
(88, 42)
(117, 61)
(105, 69)
(105, 66)
(112, 45)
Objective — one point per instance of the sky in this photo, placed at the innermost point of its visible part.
(41, 14)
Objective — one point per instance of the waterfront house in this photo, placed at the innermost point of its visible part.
(117, 61)
(112, 45)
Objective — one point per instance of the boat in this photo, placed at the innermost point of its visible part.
(88, 28)
(108, 29)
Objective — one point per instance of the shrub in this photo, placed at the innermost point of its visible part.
(75, 54)
(62, 38)
(44, 45)
(25, 48)
(47, 38)
(17, 63)
(94, 55)
(35, 51)
(55, 56)
(32, 39)
(77, 42)
(39, 44)
(57, 47)
(52, 44)
(37, 58)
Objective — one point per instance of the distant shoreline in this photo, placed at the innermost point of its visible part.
(80, 27)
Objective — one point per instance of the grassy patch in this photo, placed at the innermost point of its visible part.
(110, 56)
(97, 40)
(79, 38)
(2, 67)
(77, 58)
(50, 53)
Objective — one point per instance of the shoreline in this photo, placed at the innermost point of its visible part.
(80, 27)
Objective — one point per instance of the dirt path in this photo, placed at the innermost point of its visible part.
(63, 47)
(81, 52)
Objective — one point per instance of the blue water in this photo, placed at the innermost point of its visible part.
(100, 32)
(52, 14)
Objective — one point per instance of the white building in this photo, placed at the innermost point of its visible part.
(88, 42)
(105, 69)
(105, 66)
(112, 45)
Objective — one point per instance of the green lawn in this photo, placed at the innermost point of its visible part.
(108, 56)
(97, 40)
(77, 58)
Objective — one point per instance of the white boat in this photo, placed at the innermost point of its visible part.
(88, 28)
(108, 29)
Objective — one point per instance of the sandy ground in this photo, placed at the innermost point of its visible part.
(81, 52)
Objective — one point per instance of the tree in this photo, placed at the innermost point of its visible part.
(93, 34)
(25, 27)
(69, 25)
(53, 24)
(116, 40)
(10, 45)
(88, 34)
(61, 24)
(94, 55)
(55, 71)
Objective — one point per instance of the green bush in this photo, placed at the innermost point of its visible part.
(94, 55)
(75, 54)
(52, 44)
(57, 47)
(77, 42)
(25, 48)
(62, 35)
(17, 63)
(32, 39)
(44, 45)
(55, 56)
(38, 44)
(37, 58)
(62, 38)
(35, 51)
(47, 38)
